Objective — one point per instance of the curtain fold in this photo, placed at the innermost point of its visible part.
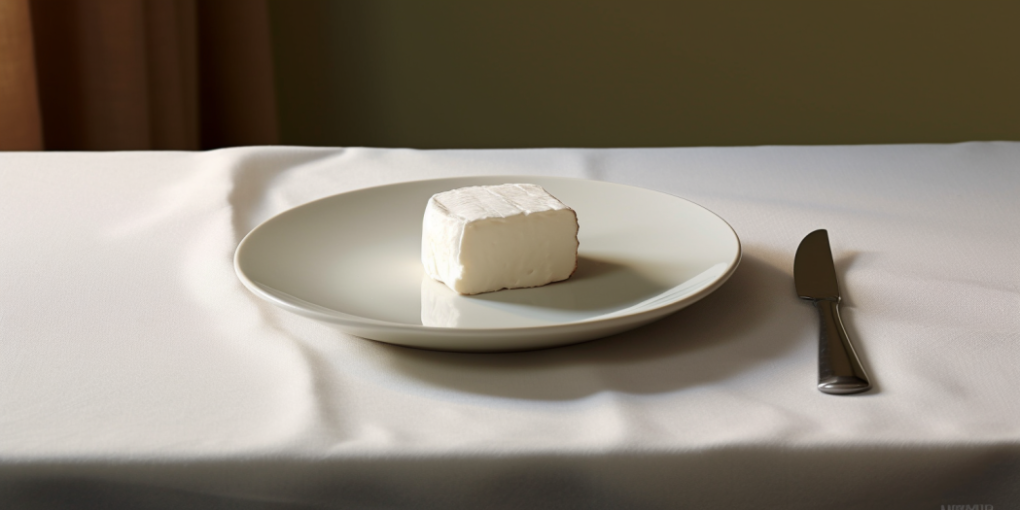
(138, 74)
(20, 117)
(237, 89)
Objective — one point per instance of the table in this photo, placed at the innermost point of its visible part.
(136, 371)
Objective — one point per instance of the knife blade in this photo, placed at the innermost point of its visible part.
(839, 369)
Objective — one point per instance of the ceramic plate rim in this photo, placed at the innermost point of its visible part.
(347, 319)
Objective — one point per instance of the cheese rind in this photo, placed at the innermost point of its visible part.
(486, 238)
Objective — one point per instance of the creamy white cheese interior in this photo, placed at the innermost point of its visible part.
(485, 238)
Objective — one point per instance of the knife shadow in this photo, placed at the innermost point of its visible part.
(843, 263)
(749, 325)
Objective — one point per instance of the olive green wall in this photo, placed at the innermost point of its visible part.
(606, 73)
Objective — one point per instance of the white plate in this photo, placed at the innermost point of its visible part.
(353, 260)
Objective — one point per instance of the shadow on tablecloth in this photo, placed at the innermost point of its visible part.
(752, 321)
(859, 478)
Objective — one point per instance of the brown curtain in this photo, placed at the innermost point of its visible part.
(135, 74)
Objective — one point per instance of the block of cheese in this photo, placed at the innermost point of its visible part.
(485, 238)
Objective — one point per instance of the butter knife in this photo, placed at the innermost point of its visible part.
(839, 370)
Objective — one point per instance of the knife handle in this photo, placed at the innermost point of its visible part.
(839, 370)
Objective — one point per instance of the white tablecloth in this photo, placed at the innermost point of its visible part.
(136, 371)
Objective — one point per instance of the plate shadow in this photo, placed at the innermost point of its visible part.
(754, 318)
